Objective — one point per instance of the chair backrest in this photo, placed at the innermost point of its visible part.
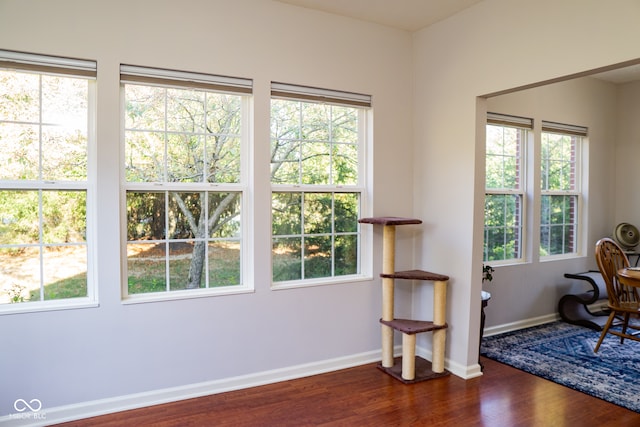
(611, 258)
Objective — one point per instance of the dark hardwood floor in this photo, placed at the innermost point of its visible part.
(365, 396)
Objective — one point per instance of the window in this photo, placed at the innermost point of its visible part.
(508, 222)
(46, 181)
(504, 187)
(317, 177)
(560, 188)
(185, 152)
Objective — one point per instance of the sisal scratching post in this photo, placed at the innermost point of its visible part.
(439, 314)
(388, 267)
(408, 357)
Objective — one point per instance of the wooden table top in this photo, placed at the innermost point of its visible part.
(630, 273)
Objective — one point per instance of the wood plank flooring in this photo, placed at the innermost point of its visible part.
(365, 396)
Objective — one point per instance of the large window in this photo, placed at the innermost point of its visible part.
(560, 188)
(46, 114)
(317, 176)
(505, 187)
(509, 223)
(185, 154)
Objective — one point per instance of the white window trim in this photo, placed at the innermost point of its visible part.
(85, 69)
(187, 80)
(526, 125)
(364, 177)
(580, 229)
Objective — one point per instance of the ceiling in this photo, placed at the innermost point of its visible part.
(409, 15)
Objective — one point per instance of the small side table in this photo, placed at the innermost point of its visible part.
(486, 296)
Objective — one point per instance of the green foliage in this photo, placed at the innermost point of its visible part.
(315, 233)
(487, 273)
(16, 293)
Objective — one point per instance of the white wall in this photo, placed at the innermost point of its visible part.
(534, 289)
(492, 46)
(72, 356)
(627, 154)
(426, 156)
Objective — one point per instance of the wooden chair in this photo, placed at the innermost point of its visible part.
(623, 300)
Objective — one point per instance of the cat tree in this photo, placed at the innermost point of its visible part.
(409, 368)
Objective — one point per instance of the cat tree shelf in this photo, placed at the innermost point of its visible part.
(409, 368)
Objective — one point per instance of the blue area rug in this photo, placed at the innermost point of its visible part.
(563, 353)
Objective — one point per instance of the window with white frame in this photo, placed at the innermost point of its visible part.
(505, 189)
(47, 106)
(318, 183)
(185, 156)
(560, 188)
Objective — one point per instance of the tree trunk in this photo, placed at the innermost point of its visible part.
(197, 265)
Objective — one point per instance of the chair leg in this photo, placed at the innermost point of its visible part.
(605, 330)
(624, 327)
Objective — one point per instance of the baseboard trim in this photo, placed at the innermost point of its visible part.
(521, 324)
(60, 414)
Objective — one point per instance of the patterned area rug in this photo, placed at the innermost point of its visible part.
(563, 353)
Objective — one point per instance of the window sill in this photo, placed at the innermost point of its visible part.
(563, 257)
(185, 294)
(56, 305)
(297, 284)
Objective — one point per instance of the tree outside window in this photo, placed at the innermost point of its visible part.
(504, 194)
(317, 193)
(184, 194)
(44, 185)
(559, 194)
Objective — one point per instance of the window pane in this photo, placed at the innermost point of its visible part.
(201, 135)
(19, 222)
(345, 164)
(44, 136)
(558, 216)
(185, 110)
(146, 267)
(190, 232)
(503, 157)
(66, 157)
(224, 215)
(558, 162)
(286, 214)
(186, 264)
(19, 96)
(317, 257)
(65, 102)
(19, 151)
(315, 233)
(344, 124)
(144, 156)
(186, 216)
(64, 216)
(317, 213)
(285, 162)
(65, 272)
(316, 119)
(286, 259)
(346, 255)
(20, 274)
(502, 227)
(224, 263)
(346, 211)
(223, 159)
(145, 107)
(313, 144)
(185, 158)
(145, 216)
